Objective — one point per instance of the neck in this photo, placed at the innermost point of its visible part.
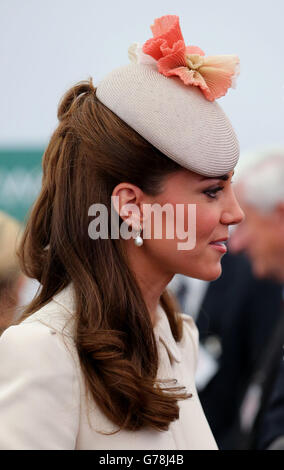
(151, 279)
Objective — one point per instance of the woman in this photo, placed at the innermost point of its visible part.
(102, 358)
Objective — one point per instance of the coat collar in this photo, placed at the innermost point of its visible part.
(66, 298)
(162, 329)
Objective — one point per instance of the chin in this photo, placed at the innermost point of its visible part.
(210, 274)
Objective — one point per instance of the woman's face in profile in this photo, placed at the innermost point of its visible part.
(213, 207)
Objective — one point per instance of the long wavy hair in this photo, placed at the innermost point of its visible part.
(89, 153)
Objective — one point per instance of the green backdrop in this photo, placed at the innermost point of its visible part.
(20, 179)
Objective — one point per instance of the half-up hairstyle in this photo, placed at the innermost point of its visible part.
(90, 152)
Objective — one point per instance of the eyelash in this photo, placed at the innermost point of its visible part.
(213, 191)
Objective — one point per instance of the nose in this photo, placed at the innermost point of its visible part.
(232, 213)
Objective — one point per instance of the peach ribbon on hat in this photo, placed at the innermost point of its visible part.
(212, 74)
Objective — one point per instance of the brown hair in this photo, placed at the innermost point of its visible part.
(89, 153)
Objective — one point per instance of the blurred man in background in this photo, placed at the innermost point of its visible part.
(260, 191)
(11, 277)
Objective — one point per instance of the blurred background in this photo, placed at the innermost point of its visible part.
(46, 47)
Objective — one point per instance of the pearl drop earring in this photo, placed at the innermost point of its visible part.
(138, 239)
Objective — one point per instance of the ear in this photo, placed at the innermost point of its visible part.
(127, 200)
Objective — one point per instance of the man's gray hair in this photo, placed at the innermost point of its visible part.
(261, 175)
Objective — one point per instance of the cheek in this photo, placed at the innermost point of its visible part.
(207, 219)
(201, 262)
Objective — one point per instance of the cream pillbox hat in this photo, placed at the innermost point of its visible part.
(176, 113)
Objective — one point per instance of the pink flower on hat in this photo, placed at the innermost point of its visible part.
(212, 74)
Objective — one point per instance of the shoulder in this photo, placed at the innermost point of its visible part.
(40, 386)
(34, 344)
(47, 335)
(55, 315)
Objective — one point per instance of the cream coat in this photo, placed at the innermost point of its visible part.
(42, 393)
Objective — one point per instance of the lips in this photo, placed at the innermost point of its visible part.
(220, 245)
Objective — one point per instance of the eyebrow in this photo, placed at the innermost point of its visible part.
(223, 177)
